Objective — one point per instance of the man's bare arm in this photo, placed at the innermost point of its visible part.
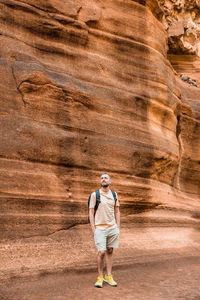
(117, 216)
(91, 217)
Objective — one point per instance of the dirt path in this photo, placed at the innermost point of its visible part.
(172, 278)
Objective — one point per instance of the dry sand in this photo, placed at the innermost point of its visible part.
(167, 276)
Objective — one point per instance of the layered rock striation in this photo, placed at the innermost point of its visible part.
(87, 87)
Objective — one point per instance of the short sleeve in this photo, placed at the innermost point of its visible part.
(92, 200)
(117, 202)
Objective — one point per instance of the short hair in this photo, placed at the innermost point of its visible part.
(105, 174)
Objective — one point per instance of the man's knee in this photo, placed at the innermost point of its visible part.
(101, 254)
(109, 250)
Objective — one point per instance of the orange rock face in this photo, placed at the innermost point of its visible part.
(181, 20)
(87, 87)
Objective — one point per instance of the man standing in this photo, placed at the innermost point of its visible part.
(105, 223)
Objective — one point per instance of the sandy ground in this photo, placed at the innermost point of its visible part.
(169, 277)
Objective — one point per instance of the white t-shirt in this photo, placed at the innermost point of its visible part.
(105, 214)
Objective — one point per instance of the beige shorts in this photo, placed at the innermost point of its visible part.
(106, 238)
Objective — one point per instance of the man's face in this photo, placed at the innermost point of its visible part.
(105, 180)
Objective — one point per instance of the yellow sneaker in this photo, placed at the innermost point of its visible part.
(109, 279)
(99, 282)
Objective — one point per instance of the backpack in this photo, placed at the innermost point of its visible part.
(98, 200)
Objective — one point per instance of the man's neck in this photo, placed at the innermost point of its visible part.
(105, 189)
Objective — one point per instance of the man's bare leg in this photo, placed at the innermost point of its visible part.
(100, 259)
(109, 256)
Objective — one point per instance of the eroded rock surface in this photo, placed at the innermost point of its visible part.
(181, 19)
(87, 87)
(182, 22)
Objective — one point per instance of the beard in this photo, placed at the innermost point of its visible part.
(104, 184)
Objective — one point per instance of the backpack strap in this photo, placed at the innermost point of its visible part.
(89, 201)
(97, 201)
(114, 196)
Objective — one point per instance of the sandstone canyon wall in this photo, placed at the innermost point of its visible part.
(89, 87)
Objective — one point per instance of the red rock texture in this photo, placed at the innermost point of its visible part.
(181, 21)
(87, 87)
